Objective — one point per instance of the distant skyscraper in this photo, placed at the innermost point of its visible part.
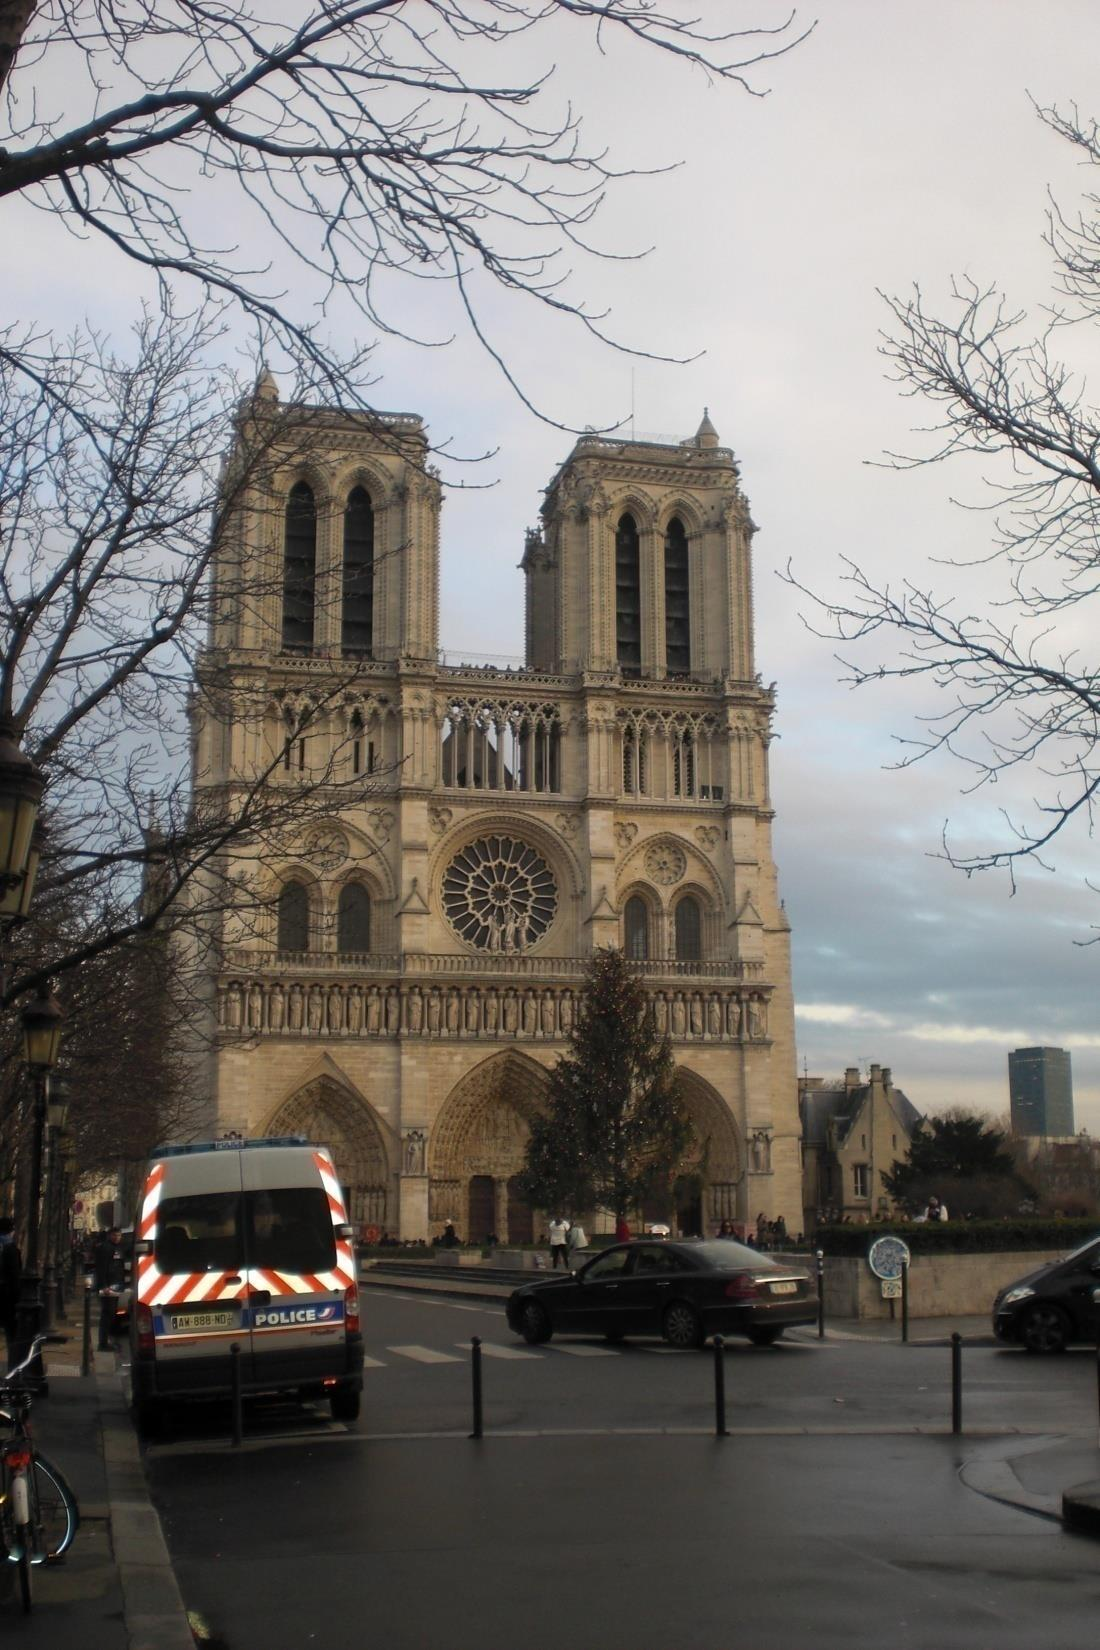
(1040, 1087)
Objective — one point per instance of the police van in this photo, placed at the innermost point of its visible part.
(244, 1243)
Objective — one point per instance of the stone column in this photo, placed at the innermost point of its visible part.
(412, 1214)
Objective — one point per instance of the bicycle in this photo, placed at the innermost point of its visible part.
(38, 1511)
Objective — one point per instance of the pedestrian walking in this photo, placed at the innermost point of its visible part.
(110, 1279)
(11, 1280)
(622, 1230)
(559, 1243)
(577, 1240)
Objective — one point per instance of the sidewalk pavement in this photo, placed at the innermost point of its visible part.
(115, 1588)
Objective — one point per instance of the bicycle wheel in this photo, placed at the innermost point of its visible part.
(25, 1536)
(54, 1511)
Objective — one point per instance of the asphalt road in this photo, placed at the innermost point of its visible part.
(600, 1512)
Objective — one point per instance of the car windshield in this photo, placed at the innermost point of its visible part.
(722, 1254)
(1076, 1254)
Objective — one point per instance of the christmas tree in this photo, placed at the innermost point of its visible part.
(615, 1131)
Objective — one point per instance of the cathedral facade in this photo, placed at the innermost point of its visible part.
(414, 968)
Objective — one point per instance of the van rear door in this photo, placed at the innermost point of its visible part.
(298, 1272)
(195, 1279)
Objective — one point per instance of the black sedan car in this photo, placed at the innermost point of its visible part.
(1052, 1305)
(684, 1291)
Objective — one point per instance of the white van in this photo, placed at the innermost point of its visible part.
(247, 1243)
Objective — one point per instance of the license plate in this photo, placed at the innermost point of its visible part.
(790, 1288)
(203, 1320)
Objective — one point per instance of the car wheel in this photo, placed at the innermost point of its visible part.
(534, 1325)
(764, 1337)
(682, 1327)
(1044, 1328)
(344, 1403)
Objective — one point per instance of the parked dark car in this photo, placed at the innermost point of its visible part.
(683, 1290)
(1048, 1308)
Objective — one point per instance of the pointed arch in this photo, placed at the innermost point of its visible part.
(357, 614)
(628, 595)
(481, 1134)
(299, 568)
(716, 1156)
(332, 1114)
(677, 600)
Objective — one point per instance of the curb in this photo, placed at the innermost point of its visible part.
(153, 1607)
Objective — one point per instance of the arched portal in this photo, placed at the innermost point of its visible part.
(481, 1135)
(706, 1184)
(330, 1114)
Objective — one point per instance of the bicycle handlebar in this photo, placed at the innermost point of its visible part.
(36, 1346)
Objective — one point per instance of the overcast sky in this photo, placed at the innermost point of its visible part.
(898, 144)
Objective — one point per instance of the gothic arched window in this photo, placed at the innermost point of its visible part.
(677, 603)
(357, 629)
(689, 930)
(636, 927)
(294, 917)
(628, 598)
(299, 568)
(353, 919)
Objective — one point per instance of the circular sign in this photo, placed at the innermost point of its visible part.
(371, 1234)
(887, 1256)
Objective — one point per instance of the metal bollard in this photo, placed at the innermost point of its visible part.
(821, 1294)
(904, 1300)
(235, 1383)
(475, 1367)
(719, 1388)
(86, 1338)
(956, 1383)
(1096, 1304)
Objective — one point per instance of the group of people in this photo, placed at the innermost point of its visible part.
(567, 1239)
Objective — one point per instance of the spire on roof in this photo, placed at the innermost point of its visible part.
(706, 435)
(266, 387)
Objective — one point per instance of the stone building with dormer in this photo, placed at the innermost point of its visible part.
(415, 970)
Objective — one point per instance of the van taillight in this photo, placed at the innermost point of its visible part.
(351, 1309)
(144, 1321)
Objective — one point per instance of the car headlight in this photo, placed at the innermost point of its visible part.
(1014, 1295)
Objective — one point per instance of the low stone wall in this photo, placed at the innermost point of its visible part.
(940, 1285)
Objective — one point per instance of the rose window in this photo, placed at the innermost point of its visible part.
(499, 895)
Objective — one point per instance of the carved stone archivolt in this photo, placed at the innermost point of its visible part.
(491, 1013)
(485, 1121)
(327, 1112)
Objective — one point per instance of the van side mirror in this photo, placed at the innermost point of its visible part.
(142, 1246)
(345, 1231)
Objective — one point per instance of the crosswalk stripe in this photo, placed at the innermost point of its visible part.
(492, 1351)
(373, 1363)
(423, 1355)
(586, 1351)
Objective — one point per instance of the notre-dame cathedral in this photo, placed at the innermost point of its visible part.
(415, 970)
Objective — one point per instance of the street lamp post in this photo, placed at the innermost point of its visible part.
(41, 1043)
(57, 1111)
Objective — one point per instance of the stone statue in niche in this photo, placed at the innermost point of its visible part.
(530, 1012)
(565, 1013)
(679, 1016)
(733, 1016)
(473, 1011)
(548, 1015)
(335, 1009)
(434, 1013)
(295, 1011)
(233, 1008)
(393, 1011)
(374, 1012)
(761, 1152)
(255, 1006)
(355, 1011)
(696, 1015)
(416, 1011)
(276, 1008)
(414, 1151)
(758, 1024)
(452, 1013)
(316, 1008)
(660, 1013)
(492, 1011)
(714, 1015)
(511, 1012)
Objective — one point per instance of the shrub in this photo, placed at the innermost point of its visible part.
(959, 1236)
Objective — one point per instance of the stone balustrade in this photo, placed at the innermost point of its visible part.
(252, 960)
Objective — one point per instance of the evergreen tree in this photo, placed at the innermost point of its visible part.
(615, 1131)
(963, 1159)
